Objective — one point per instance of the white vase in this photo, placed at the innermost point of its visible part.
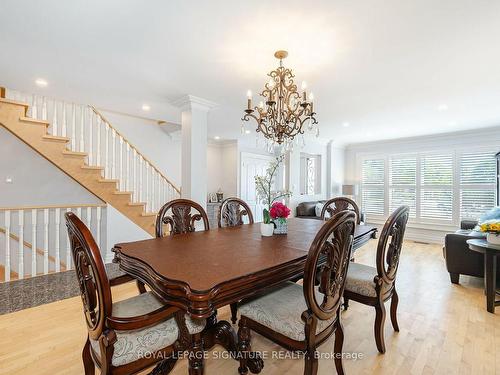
(493, 238)
(266, 229)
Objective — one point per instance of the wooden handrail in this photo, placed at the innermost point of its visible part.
(135, 148)
(51, 206)
(2, 92)
(30, 246)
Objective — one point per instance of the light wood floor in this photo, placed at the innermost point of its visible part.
(445, 329)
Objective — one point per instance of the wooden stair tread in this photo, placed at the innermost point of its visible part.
(145, 214)
(136, 203)
(108, 180)
(56, 138)
(95, 167)
(34, 121)
(9, 101)
(123, 192)
(74, 153)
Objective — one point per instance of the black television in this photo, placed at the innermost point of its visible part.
(498, 178)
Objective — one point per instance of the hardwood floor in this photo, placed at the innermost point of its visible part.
(445, 329)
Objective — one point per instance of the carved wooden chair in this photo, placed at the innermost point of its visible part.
(302, 317)
(339, 204)
(128, 336)
(178, 215)
(232, 211)
(373, 286)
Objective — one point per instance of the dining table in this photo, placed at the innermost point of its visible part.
(202, 271)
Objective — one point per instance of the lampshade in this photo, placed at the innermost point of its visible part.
(349, 189)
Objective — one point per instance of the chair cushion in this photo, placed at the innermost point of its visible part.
(281, 310)
(360, 279)
(132, 345)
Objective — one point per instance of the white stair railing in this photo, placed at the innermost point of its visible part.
(105, 146)
(34, 240)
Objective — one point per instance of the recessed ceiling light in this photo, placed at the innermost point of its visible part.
(40, 82)
(442, 107)
(217, 137)
(346, 124)
(247, 131)
(146, 107)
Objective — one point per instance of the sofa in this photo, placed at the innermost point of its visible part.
(363, 232)
(460, 260)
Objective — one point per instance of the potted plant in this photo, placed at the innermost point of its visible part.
(492, 228)
(279, 212)
(267, 196)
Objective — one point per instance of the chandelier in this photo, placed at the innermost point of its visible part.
(285, 111)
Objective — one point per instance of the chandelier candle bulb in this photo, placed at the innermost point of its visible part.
(249, 101)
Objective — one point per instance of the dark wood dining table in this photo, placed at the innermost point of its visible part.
(202, 271)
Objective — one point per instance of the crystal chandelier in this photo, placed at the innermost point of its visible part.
(285, 111)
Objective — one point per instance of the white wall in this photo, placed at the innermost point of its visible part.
(35, 180)
(162, 149)
(223, 168)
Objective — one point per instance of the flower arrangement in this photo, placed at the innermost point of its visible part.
(279, 211)
(264, 188)
(490, 226)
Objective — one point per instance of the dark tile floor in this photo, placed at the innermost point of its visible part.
(34, 291)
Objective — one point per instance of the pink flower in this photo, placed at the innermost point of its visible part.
(279, 210)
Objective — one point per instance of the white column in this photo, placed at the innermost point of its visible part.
(194, 147)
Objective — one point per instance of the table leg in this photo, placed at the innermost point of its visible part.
(222, 333)
(490, 276)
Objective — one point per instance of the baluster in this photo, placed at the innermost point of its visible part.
(106, 151)
(148, 205)
(46, 241)
(152, 189)
(33, 242)
(55, 123)
(121, 185)
(98, 227)
(57, 245)
(34, 109)
(160, 189)
(82, 125)
(21, 244)
(7, 245)
(98, 147)
(44, 108)
(68, 248)
(127, 169)
(73, 128)
(91, 122)
(63, 129)
(113, 154)
(141, 196)
(134, 173)
(79, 213)
(88, 218)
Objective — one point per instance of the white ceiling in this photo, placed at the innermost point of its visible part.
(382, 66)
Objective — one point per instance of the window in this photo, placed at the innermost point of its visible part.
(403, 183)
(477, 183)
(436, 193)
(439, 188)
(310, 174)
(373, 179)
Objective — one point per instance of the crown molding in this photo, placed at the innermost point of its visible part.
(187, 102)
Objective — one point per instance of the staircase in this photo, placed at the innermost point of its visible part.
(93, 153)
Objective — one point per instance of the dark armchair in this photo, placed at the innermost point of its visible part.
(460, 260)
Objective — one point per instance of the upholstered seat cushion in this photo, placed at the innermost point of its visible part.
(133, 345)
(360, 279)
(281, 310)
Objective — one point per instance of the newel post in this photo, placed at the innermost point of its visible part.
(2, 92)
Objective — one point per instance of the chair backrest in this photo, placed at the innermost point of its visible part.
(232, 211)
(331, 246)
(336, 205)
(179, 216)
(390, 244)
(91, 273)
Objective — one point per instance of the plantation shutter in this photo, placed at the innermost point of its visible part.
(373, 179)
(436, 194)
(402, 183)
(477, 184)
